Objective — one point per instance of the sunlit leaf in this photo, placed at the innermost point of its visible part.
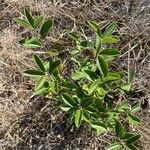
(110, 29)
(100, 127)
(112, 39)
(24, 23)
(78, 118)
(126, 87)
(133, 139)
(133, 119)
(37, 21)
(40, 83)
(115, 146)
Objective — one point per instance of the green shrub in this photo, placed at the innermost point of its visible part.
(89, 94)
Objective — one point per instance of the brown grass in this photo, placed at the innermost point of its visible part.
(28, 122)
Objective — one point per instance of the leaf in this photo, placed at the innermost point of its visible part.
(133, 139)
(91, 109)
(128, 135)
(100, 127)
(86, 102)
(112, 39)
(132, 147)
(65, 108)
(74, 36)
(102, 65)
(78, 118)
(133, 119)
(91, 75)
(69, 85)
(46, 27)
(110, 29)
(78, 75)
(110, 52)
(86, 116)
(32, 42)
(101, 92)
(123, 106)
(115, 146)
(52, 52)
(86, 44)
(119, 129)
(24, 23)
(33, 73)
(39, 62)
(38, 20)
(29, 17)
(54, 65)
(135, 108)
(95, 27)
(112, 76)
(40, 83)
(68, 100)
(126, 87)
(40, 91)
(94, 85)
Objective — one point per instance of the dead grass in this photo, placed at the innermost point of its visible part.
(33, 123)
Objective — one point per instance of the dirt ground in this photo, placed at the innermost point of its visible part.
(33, 123)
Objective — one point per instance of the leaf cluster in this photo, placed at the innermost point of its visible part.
(88, 95)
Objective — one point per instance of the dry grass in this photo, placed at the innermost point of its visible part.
(27, 122)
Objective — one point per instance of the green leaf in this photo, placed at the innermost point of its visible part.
(52, 52)
(33, 73)
(101, 92)
(110, 29)
(54, 65)
(100, 127)
(68, 100)
(94, 85)
(112, 39)
(40, 91)
(86, 44)
(127, 135)
(94, 26)
(37, 21)
(91, 75)
(123, 106)
(110, 52)
(115, 146)
(29, 17)
(112, 76)
(74, 36)
(69, 85)
(86, 116)
(102, 65)
(91, 109)
(32, 42)
(40, 83)
(133, 119)
(78, 118)
(46, 27)
(86, 102)
(119, 129)
(39, 62)
(135, 108)
(78, 75)
(126, 87)
(65, 108)
(24, 23)
(133, 139)
(132, 147)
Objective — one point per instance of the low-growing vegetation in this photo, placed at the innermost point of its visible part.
(92, 93)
